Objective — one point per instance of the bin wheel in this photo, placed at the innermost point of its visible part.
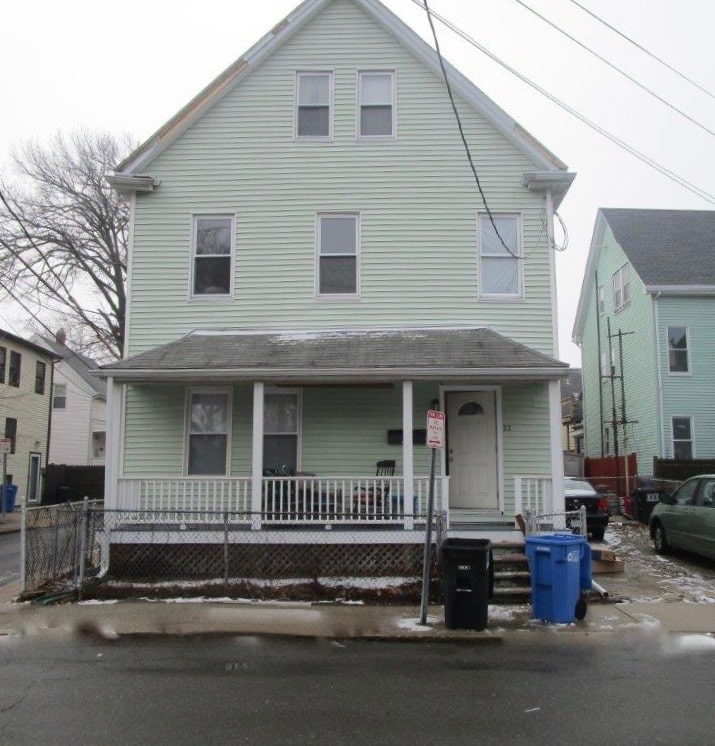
(581, 609)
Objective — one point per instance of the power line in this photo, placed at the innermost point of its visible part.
(461, 132)
(616, 68)
(597, 128)
(642, 48)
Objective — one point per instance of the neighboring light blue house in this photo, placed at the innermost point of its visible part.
(651, 276)
(312, 269)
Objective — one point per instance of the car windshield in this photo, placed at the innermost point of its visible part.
(576, 484)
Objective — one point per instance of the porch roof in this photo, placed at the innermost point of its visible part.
(375, 354)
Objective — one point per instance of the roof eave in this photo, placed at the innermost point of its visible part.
(556, 182)
(126, 184)
(689, 290)
(331, 374)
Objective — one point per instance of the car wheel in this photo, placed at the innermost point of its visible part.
(598, 533)
(659, 541)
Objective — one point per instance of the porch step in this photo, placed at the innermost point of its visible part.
(503, 596)
(512, 579)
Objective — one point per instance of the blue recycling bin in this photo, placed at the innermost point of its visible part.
(559, 570)
(9, 493)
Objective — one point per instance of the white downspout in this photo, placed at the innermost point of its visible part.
(552, 272)
(659, 401)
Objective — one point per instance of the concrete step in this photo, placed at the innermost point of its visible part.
(511, 596)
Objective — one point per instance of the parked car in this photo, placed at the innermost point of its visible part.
(686, 519)
(578, 492)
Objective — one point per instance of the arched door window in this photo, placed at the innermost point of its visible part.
(470, 408)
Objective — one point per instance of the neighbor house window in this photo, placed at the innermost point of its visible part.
(621, 288)
(682, 438)
(99, 444)
(40, 371)
(338, 239)
(59, 396)
(601, 300)
(376, 94)
(678, 349)
(607, 440)
(3, 363)
(314, 93)
(13, 374)
(281, 426)
(209, 418)
(11, 432)
(500, 260)
(212, 249)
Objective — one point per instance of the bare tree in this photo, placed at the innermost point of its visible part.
(63, 239)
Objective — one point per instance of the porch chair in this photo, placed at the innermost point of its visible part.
(380, 493)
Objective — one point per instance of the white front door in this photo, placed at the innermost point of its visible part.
(472, 450)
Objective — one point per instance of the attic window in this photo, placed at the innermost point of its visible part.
(314, 94)
(377, 111)
(621, 288)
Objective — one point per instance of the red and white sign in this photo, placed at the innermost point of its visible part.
(5, 445)
(435, 429)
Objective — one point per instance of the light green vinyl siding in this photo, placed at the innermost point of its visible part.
(691, 395)
(640, 375)
(416, 197)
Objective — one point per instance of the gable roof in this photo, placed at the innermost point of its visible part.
(20, 341)
(80, 364)
(672, 251)
(667, 247)
(128, 174)
(361, 355)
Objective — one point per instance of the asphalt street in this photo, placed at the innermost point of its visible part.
(9, 558)
(72, 689)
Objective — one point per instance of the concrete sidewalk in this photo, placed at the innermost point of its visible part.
(11, 524)
(334, 621)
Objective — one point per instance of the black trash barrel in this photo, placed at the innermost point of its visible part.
(468, 580)
(643, 500)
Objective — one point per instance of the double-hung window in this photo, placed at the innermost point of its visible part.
(209, 421)
(500, 256)
(281, 428)
(601, 300)
(59, 396)
(338, 249)
(11, 432)
(3, 363)
(40, 373)
(376, 95)
(314, 97)
(682, 438)
(212, 255)
(13, 374)
(678, 361)
(621, 288)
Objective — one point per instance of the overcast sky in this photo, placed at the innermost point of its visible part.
(129, 66)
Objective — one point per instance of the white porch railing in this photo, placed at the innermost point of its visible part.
(284, 500)
(533, 494)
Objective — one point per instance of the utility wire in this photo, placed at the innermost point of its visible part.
(615, 67)
(642, 48)
(461, 131)
(615, 140)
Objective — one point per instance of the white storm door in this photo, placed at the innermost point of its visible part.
(472, 450)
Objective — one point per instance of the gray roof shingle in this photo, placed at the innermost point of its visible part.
(372, 351)
(667, 247)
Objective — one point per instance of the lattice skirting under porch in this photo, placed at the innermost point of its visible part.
(162, 562)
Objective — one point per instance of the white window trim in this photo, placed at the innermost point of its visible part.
(331, 107)
(352, 297)
(502, 297)
(617, 277)
(212, 297)
(676, 373)
(601, 300)
(693, 453)
(358, 86)
(299, 440)
(190, 391)
(55, 386)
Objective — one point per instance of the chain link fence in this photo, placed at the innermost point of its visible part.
(165, 553)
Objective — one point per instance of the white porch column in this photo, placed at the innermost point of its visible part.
(557, 453)
(407, 453)
(113, 445)
(257, 455)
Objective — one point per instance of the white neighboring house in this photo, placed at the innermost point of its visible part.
(78, 432)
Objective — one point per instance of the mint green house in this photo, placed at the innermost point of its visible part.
(651, 277)
(312, 270)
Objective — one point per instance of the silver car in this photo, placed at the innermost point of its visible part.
(686, 519)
